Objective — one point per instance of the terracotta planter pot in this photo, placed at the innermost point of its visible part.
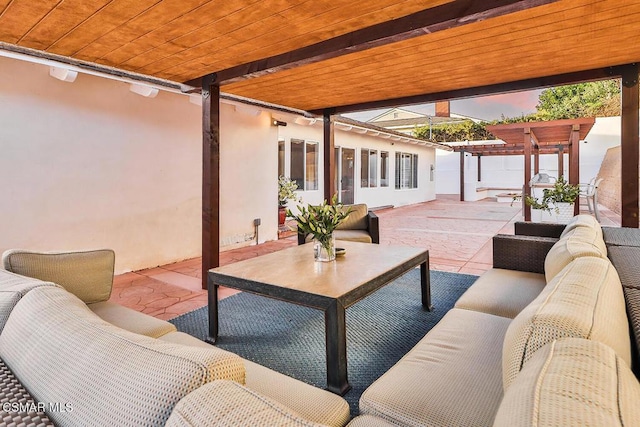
(282, 215)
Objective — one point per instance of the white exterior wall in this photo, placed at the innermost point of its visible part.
(508, 171)
(90, 164)
(372, 196)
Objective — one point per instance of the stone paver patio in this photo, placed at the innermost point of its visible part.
(457, 234)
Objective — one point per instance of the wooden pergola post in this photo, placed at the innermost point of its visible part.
(479, 167)
(527, 172)
(629, 147)
(536, 161)
(462, 176)
(210, 177)
(560, 160)
(329, 157)
(574, 162)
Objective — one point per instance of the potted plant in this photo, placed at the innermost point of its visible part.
(286, 191)
(560, 198)
(320, 221)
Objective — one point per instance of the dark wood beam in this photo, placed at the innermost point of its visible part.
(329, 157)
(479, 167)
(560, 161)
(527, 172)
(574, 163)
(629, 147)
(443, 17)
(210, 178)
(462, 176)
(516, 86)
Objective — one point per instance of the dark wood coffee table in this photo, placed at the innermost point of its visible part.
(292, 275)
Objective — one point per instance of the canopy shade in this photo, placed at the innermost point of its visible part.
(439, 47)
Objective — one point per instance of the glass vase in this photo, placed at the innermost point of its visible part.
(324, 248)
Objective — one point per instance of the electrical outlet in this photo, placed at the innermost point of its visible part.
(256, 222)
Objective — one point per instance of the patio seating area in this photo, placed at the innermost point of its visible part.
(457, 234)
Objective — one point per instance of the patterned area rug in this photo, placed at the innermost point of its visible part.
(290, 339)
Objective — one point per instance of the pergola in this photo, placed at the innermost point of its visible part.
(533, 139)
(338, 56)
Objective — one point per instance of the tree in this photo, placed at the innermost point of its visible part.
(594, 99)
(601, 98)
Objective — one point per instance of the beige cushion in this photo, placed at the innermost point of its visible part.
(572, 383)
(357, 219)
(582, 220)
(312, 403)
(352, 236)
(584, 300)
(502, 292)
(369, 421)
(12, 288)
(131, 320)
(450, 378)
(62, 352)
(87, 274)
(227, 403)
(578, 242)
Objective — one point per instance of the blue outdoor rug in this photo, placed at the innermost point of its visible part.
(290, 339)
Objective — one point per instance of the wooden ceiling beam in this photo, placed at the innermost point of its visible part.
(443, 17)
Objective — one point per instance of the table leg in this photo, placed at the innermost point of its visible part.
(425, 285)
(336, 337)
(213, 311)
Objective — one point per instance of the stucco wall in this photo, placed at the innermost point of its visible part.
(90, 164)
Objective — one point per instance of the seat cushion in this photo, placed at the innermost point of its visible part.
(310, 402)
(352, 236)
(62, 352)
(357, 219)
(572, 383)
(584, 300)
(502, 292)
(451, 377)
(131, 320)
(230, 404)
(578, 242)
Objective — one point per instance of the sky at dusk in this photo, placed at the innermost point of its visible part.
(485, 108)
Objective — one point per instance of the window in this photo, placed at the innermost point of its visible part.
(304, 164)
(384, 169)
(406, 171)
(281, 157)
(368, 168)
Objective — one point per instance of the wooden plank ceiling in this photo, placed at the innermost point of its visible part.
(185, 39)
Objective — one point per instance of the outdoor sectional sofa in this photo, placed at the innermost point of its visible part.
(542, 339)
(89, 362)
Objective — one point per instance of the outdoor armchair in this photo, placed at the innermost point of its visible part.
(360, 226)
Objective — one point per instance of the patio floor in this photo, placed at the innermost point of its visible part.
(457, 234)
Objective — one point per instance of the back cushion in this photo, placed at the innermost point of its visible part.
(357, 219)
(87, 274)
(63, 353)
(583, 220)
(584, 300)
(572, 383)
(12, 288)
(578, 242)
